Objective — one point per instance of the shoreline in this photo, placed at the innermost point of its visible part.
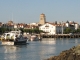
(61, 36)
(71, 54)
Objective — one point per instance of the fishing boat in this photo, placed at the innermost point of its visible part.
(13, 38)
(20, 40)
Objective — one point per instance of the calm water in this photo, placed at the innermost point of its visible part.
(37, 50)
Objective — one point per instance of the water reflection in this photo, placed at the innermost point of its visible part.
(11, 52)
(37, 50)
(49, 41)
(8, 52)
(48, 47)
(76, 41)
(10, 49)
(64, 41)
(46, 51)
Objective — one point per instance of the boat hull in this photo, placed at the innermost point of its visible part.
(7, 43)
(14, 42)
(20, 42)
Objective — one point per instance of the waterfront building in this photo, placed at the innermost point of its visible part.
(67, 24)
(73, 25)
(15, 26)
(76, 26)
(51, 28)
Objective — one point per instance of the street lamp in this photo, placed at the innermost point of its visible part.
(62, 27)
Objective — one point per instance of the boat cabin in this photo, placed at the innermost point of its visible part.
(11, 35)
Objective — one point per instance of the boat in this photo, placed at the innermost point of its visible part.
(20, 40)
(13, 38)
(34, 38)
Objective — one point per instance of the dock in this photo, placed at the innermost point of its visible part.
(60, 36)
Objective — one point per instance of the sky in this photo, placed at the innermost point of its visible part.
(28, 11)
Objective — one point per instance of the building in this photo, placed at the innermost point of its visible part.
(51, 28)
(42, 19)
(73, 25)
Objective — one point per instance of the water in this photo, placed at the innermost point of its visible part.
(37, 50)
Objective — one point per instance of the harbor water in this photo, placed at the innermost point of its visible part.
(37, 50)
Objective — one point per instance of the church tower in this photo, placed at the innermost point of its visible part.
(42, 19)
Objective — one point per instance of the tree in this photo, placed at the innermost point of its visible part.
(2, 30)
(55, 22)
(67, 30)
(78, 30)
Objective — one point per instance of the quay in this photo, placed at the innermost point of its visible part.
(40, 36)
(60, 36)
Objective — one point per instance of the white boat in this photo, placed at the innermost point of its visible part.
(7, 43)
(34, 38)
(14, 38)
(11, 35)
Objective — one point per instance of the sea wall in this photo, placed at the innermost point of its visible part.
(61, 36)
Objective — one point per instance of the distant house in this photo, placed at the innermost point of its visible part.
(76, 26)
(15, 26)
(20, 25)
(51, 28)
(73, 25)
(31, 26)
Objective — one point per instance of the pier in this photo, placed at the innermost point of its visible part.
(61, 36)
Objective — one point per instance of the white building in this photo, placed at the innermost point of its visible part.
(76, 26)
(73, 25)
(51, 28)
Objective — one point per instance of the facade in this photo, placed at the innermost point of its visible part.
(76, 26)
(42, 19)
(72, 25)
(67, 24)
(7, 26)
(51, 28)
(15, 26)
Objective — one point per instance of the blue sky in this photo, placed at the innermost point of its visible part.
(28, 11)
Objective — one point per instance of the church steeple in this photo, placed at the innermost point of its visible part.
(42, 19)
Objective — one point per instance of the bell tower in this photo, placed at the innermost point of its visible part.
(42, 19)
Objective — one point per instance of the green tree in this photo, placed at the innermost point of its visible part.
(78, 30)
(2, 30)
(67, 30)
(36, 30)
